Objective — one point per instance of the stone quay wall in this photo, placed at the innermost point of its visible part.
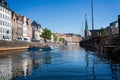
(15, 45)
(18, 45)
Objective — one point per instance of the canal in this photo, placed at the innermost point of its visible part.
(65, 63)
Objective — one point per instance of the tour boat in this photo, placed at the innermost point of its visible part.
(46, 48)
(33, 49)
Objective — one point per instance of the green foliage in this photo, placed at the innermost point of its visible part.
(55, 38)
(102, 32)
(61, 39)
(46, 34)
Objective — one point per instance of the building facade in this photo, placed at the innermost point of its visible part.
(5, 21)
(14, 25)
(17, 26)
(24, 27)
(36, 31)
(29, 29)
(21, 28)
(112, 28)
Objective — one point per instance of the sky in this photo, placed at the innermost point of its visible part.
(67, 16)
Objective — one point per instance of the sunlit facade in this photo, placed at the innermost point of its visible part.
(36, 31)
(5, 21)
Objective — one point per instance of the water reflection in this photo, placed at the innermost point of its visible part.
(16, 64)
(115, 70)
(48, 58)
(21, 66)
(5, 69)
(66, 63)
(73, 47)
(36, 64)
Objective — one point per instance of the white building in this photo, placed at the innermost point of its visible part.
(25, 30)
(37, 31)
(24, 27)
(52, 38)
(5, 21)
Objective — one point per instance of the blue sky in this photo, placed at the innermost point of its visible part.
(67, 16)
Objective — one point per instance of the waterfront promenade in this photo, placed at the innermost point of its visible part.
(19, 45)
(13, 45)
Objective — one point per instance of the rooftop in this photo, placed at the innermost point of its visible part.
(35, 24)
(4, 4)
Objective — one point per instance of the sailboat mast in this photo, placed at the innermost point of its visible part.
(92, 14)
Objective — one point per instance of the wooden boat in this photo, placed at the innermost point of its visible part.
(33, 49)
(46, 48)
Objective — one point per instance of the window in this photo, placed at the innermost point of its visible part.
(0, 30)
(9, 12)
(0, 15)
(3, 23)
(3, 30)
(7, 31)
(9, 25)
(0, 8)
(0, 22)
(14, 20)
(3, 10)
(3, 16)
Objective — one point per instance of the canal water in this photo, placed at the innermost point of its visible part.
(65, 63)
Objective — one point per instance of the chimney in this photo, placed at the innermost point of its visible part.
(0, 1)
(119, 23)
(6, 4)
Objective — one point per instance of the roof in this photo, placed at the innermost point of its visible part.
(35, 24)
(114, 22)
(5, 4)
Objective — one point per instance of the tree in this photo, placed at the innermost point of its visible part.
(102, 32)
(46, 35)
(55, 38)
(61, 39)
